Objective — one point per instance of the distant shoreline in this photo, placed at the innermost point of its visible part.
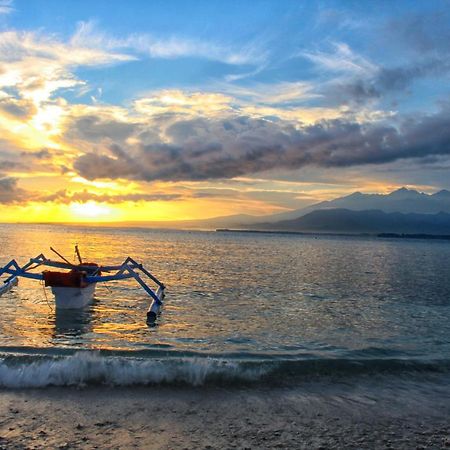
(445, 237)
(143, 226)
(306, 233)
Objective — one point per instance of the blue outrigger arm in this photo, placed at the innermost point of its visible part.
(128, 269)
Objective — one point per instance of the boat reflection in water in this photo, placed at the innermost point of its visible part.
(72, 323)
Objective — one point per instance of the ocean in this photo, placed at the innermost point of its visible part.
(240, 309)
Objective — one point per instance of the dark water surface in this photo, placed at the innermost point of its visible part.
(237, 305)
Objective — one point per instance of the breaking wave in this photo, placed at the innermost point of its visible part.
(84, 368)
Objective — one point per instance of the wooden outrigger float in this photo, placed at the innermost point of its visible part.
(75, 288)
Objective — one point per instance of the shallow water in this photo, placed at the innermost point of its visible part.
(238, 299)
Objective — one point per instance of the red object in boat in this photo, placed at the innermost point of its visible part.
(74, 278)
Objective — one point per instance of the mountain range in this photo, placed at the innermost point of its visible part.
(404, 211)
(369, 221)
(401, 211)
(402, 200)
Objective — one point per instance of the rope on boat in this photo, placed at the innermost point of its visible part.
(45, 295)
(107, 287)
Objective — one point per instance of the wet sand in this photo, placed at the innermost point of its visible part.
(317, 416)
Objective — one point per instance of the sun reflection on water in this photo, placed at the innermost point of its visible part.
(233, 293)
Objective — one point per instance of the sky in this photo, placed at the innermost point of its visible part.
(176, 110)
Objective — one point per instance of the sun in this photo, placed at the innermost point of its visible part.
(89, 210)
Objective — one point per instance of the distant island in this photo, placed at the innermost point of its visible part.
(369, 222)
(414, 236)
(445, 237)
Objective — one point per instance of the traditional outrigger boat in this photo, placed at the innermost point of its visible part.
(75, 287)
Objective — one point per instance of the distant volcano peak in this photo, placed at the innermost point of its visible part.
(442, 193)
(404, 192)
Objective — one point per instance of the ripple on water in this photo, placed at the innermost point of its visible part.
(240, 293)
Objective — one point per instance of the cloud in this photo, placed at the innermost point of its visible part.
(213, 148)
(34, 66)
(66, 197)
(281, 93)
(275, 198)
(10, 192)
(35, 70)
(342, 59)
(417, 47)
(88, 35)
(18, 108)
(43, 154)
(340, 19)
(8, 165)
(423, 41)
(386, 80)
(6, 7)
(16, 162)
(175, 100)
(94, 129)
(424, 34)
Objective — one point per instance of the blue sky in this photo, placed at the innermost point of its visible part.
(237, 102)
(271, 37)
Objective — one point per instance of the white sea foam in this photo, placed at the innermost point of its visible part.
(85, 368)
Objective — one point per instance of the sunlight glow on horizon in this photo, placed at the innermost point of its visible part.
(161, 122)
(89, 209)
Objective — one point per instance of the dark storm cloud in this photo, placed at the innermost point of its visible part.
(422, 34)
(94, 129)
(10, 192)
(424, 45)
(386, 80)
(13, 161)
(92, 166)
(206, 149)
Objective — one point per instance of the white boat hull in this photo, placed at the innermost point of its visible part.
(73, 297)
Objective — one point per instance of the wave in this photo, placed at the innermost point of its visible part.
(84, 368)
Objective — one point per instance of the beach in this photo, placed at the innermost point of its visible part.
(370, 413)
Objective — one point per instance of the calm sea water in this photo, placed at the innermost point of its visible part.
(236, 303)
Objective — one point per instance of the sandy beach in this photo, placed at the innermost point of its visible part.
(403, 415)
